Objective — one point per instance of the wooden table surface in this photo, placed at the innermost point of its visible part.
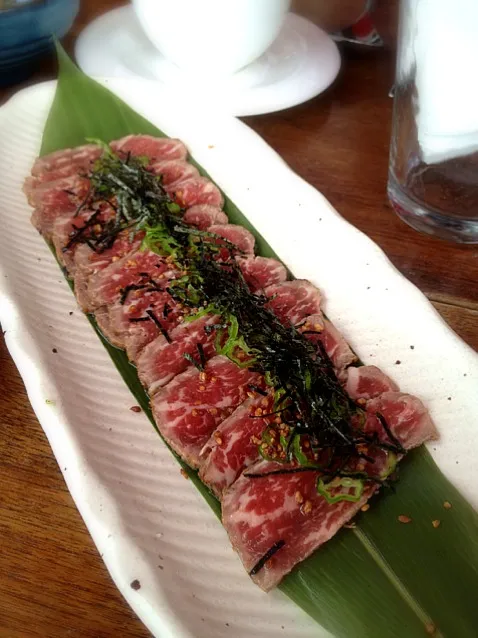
(53, 584)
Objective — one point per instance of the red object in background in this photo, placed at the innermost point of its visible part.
(363, 31)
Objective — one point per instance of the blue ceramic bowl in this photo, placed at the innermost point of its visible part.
(26, 31)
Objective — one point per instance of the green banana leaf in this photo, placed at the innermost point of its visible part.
(382, 578)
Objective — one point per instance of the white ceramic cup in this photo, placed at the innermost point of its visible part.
(211, 36)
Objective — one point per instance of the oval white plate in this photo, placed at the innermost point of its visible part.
(146, 520)
(301, 63)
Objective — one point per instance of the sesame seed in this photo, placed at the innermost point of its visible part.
(135, 408)
(265, 402)
(194, 412)
(307, 507)
(447, 505)
(258, 412)
(202, 388)
(184, 473)
(436, 523)
(213, 411)
(430, 629)
(217, 438)
(202, 376)
(365, 507)
(404, 519)
(299, 498)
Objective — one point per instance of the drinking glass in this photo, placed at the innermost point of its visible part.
(433, 171)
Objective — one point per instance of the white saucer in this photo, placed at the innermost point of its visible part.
(299, 65)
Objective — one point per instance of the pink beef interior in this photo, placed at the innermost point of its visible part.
(193, 404)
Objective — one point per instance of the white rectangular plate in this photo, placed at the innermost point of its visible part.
(147, 521)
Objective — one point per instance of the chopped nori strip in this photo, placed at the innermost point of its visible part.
(389, 433)
(257, 389)
(148, 286)
(267, 556)
(83, 203)
(166, 310)
(202, 356)
(366, 457)
(289, 470)
(138, 319)
(192, 360)
(89, 243)
(125, 291)
(159, 325)
(78, 233)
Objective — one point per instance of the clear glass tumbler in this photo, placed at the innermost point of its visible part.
(433, 175)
